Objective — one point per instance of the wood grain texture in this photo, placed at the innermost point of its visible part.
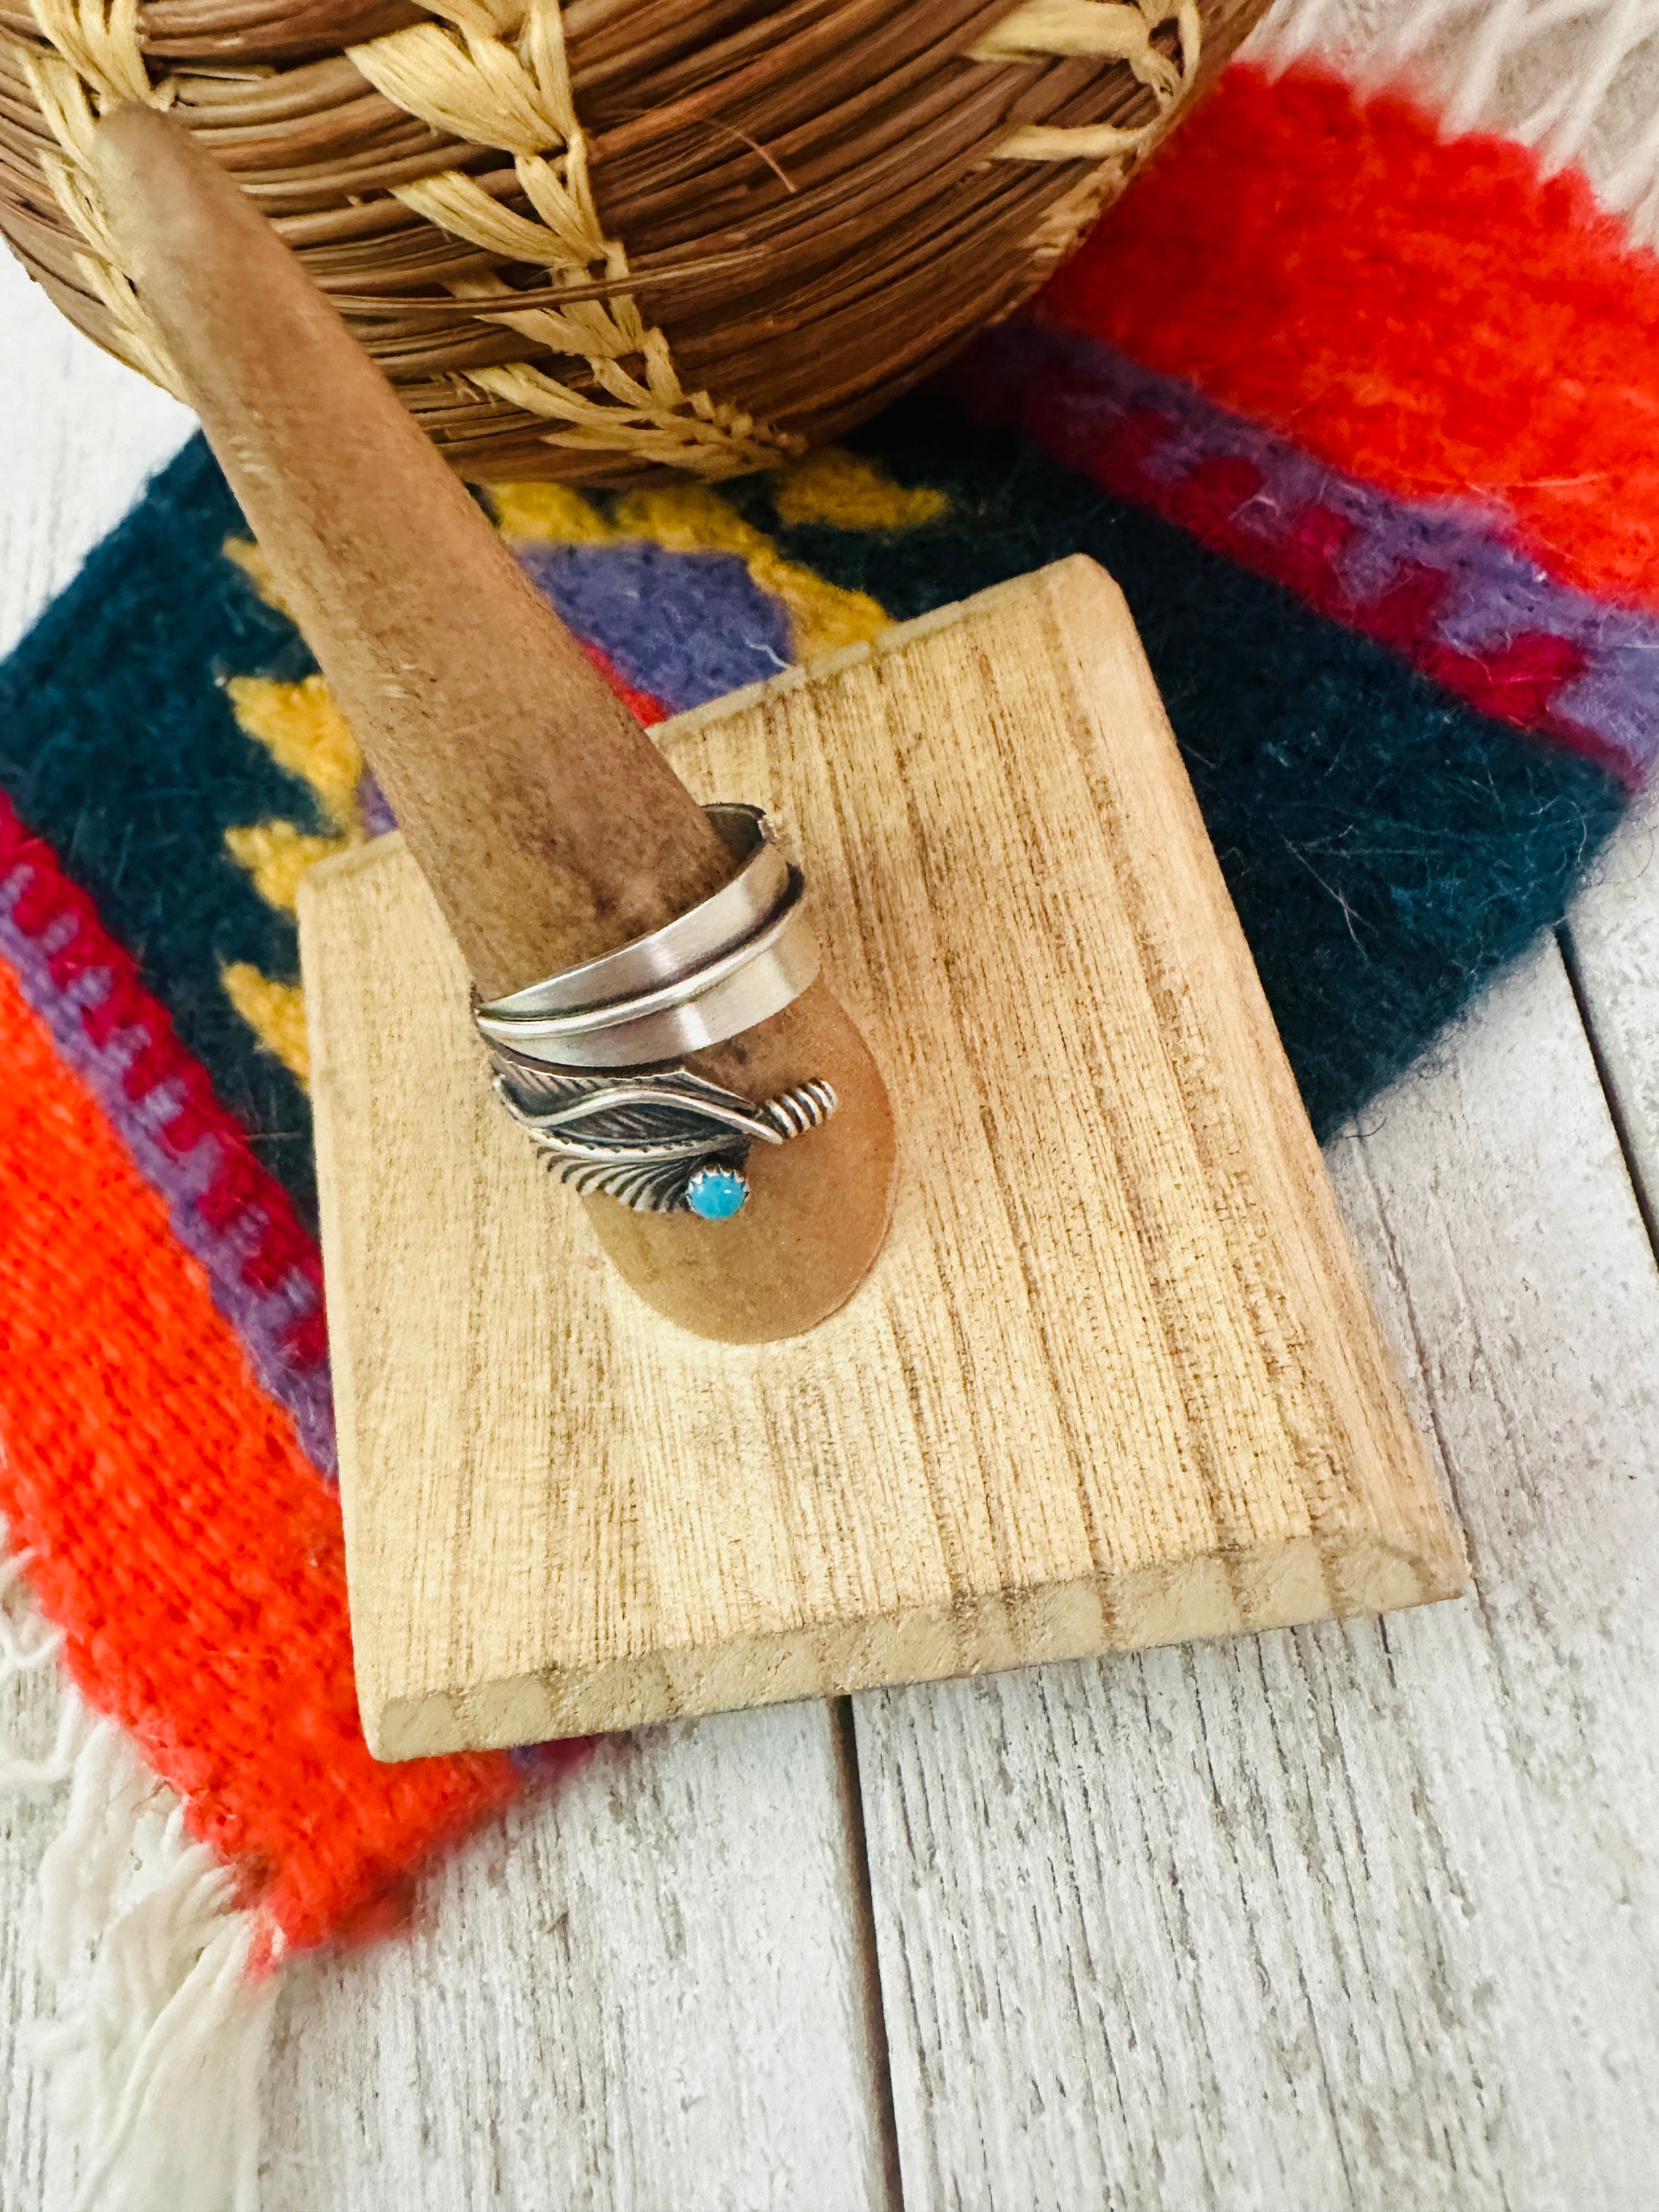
(1355, 1916)
(36, 2167)
(1113, 1381)
(647, 1991)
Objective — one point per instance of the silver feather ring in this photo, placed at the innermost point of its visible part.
(663, 1143)
(656, 1137)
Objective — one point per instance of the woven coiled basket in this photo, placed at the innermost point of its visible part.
(589, 240)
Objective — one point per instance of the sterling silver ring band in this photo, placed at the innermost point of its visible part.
(739, 956)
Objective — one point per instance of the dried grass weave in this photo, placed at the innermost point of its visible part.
(588, 240)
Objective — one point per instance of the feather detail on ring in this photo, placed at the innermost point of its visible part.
(648, 1139)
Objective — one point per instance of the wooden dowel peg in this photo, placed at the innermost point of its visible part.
(549, 827)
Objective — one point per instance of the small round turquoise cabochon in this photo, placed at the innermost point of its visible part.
(716, 1194)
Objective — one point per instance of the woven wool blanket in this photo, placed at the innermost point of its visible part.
(1356, 403)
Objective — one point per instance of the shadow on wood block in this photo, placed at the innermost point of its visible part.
(1115, 1380)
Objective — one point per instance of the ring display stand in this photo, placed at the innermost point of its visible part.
(1114, 1379)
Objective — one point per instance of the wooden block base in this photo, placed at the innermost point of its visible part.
(1115, 1380)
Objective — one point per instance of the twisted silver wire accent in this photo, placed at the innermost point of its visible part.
(794, 1112)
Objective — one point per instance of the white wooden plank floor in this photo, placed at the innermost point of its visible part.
(1359, 1915)
(1342, 1918)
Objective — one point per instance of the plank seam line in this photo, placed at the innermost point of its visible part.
(1447, 1480)
(864, 1910)
(1645, 1204)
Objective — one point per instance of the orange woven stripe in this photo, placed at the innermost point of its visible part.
(1432, 316)
(182, 1541)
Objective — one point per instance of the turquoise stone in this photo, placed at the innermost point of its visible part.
(716, 1194)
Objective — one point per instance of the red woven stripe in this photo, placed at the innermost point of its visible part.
(181, 1538)
(52, 906)
(182, 1541)
(644, 706)
(1221, 503)
(241, 1188)
(1435, 317)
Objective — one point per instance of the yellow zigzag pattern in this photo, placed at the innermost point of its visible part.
(832, 486)
(850, 493)
(305, 733)
(275, 1013)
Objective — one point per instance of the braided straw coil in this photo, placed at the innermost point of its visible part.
(588, 242)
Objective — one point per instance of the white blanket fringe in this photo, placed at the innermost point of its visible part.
(155, 2056)
(1571, 77)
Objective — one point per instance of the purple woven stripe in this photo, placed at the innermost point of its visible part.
(686, 627)
(1493, 593)
(261, 1318)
